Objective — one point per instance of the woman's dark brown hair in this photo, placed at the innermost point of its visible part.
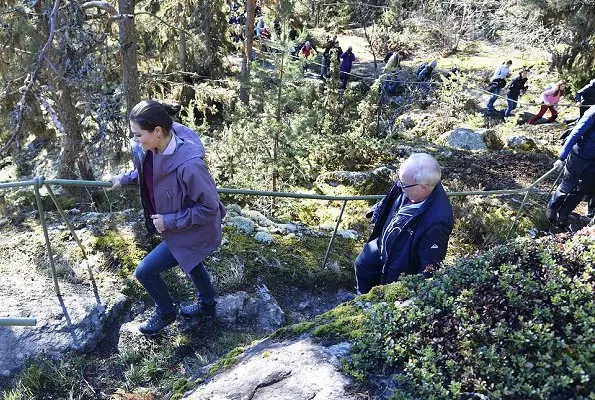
(149, 114)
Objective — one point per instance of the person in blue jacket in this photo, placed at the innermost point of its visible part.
(412, 226)
(585, 97)
(578, 159)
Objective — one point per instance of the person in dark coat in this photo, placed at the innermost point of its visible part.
(585, 97)
(577, 157)
(326, 58)
(412, 226)
(180, 202)
(347, 60)
(277, 28)
(424, 75)
(517, 87)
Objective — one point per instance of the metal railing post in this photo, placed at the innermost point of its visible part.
(65, 219)
(36, 185)
(330, 244)
(529, 189)
(518, 213)
(72, 231)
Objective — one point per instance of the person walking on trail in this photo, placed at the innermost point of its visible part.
(258, 27)
(277, 28)
(180, 202)
(326, 58)
(391, 78)
(306, 51)
(412, 226)
(585, 97)
(393, 62)
(578, 159)
(517, 87)
(424, 74)
(497, 82)
(347, 60)
(550, 99)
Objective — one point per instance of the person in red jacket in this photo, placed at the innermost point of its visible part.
(550, 99)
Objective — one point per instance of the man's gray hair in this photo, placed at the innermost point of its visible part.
(426, 168)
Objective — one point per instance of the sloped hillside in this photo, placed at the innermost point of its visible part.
(516, 323)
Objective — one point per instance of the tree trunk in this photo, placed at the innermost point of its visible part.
(279, 130)
(182, 38)
(128, 51)
(247, 56)
(74, 163)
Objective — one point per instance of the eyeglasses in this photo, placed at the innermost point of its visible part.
(403, 186)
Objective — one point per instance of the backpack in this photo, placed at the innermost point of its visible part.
(388, 56)
(496, 84)
(421, 67)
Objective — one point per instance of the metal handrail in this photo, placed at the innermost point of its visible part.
(41, 181)
(17, 321)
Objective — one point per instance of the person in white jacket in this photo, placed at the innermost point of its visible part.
(497, 82)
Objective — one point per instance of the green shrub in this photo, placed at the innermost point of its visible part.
(482, 223)
(515, 323)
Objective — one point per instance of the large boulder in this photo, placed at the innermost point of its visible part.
(416, 118)
(297, 370)
(521, 143)
(259, 310)
(471, 139)
(73, 322)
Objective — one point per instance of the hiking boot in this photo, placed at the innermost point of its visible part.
(551, 215)
(198, 309)
(563, 221)
(156, 323)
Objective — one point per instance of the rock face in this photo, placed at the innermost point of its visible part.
(471, 139)
(74, 321)
(242, 309)
(256, 311)
(297, 370)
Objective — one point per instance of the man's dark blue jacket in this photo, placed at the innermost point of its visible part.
(581, 140)
(587, 94)
(423, 241)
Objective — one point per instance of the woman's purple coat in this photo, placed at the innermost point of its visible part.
(186, 195)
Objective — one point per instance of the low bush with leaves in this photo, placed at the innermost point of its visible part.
(516, 323)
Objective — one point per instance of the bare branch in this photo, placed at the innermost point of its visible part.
(107, 7)
(163, 22)
(51, 112)
(31, 80)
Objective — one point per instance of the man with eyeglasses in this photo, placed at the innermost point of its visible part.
(412, 226)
